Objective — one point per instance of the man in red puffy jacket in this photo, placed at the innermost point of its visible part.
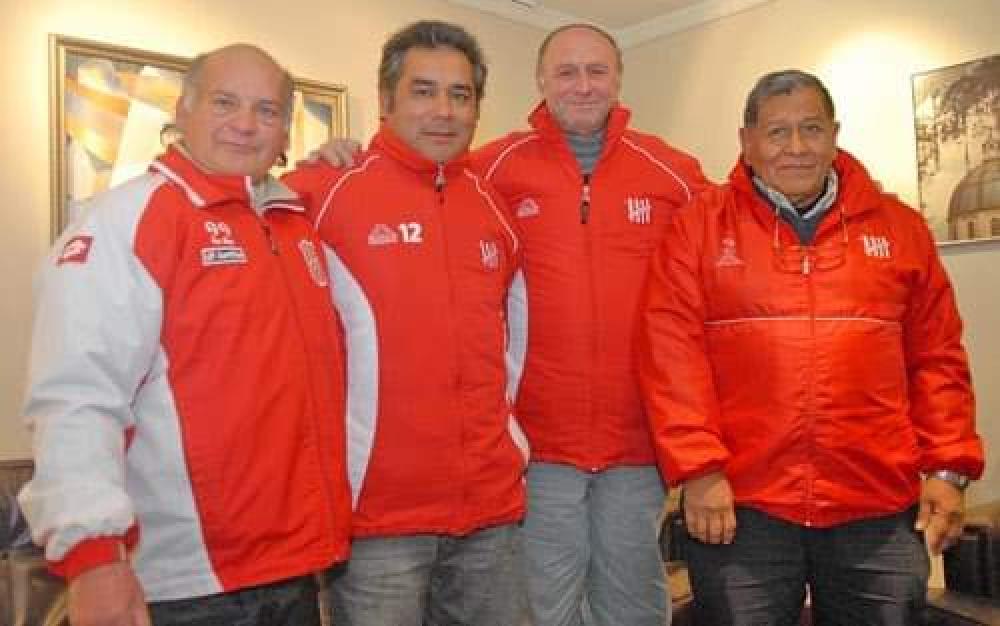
(422, 259)
(803, 367)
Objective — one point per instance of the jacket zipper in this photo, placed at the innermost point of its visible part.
(585, 200)
(324, 479)
(271, 241)
(588, 234)
(439, 183)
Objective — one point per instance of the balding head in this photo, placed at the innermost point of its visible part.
(234, 110)
(579, 76)
(234, 51)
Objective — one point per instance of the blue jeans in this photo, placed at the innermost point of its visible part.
(286, 603)
(429, 580)
(870, 571)
(591, 550)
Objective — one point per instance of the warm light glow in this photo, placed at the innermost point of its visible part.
(868, 74)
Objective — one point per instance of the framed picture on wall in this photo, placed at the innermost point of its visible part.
(109, 106)
(956, 114)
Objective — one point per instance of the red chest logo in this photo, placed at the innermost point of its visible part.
(76, 250)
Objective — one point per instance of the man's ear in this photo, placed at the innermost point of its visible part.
(744, 138)
(384, 104)
(180, 114)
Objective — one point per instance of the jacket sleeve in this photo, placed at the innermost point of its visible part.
(96, 334)
(674, 369)
(311, 181)
(942, 406)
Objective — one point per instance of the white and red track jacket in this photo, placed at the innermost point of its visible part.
(587, 244)
(185, 382)
(422, 261)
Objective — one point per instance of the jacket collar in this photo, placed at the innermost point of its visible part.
(389, 143)
(857, 192)
(542, 120)
(204, 189)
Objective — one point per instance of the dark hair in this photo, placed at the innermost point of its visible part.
(597, 29)
(429, 34)
(784, 83)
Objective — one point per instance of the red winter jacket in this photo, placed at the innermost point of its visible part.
(421, 258)
(587, 244)
(821, 379)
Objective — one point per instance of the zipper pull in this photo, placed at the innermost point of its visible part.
(805, 264)
(270, 237)
(439, 180)
(585, 200)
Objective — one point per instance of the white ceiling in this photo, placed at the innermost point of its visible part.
(631, 21)
(617, 13)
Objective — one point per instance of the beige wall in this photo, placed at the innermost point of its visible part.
(688, 87)
(332, 41)
(691, 87)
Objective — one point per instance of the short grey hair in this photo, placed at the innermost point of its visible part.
(784, 83)
(192, 77)
(596, 29)
(429, 34)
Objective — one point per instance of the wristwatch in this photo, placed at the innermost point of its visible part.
(960, 481)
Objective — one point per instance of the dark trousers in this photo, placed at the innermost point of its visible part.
(292, 602)
(866, 572)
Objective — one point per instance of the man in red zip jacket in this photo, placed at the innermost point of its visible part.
(185, 390)
(422, 260)
(806, 381)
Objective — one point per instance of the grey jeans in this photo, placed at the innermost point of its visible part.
(429, 580)
(591, 549)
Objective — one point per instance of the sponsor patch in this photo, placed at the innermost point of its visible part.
(76, 250)
(381, 235)
(313, 262)
(223, 255)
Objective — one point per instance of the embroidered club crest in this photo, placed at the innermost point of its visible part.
(640, 210)
(876, 246)
(313, 261)
(489, 252)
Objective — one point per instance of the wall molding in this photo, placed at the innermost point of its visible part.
(532, 13)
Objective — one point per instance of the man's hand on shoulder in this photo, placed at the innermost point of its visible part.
(338, 152)
(107, 595)
(941, 514)
(708, 508)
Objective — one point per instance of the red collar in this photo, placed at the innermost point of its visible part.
(387, 142)
(204, 189)
(542, 120)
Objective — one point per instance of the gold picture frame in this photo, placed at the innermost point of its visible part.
(109, 104)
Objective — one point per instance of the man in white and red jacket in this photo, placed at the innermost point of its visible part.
(806, 381)
(185, 387)
(422, 261)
